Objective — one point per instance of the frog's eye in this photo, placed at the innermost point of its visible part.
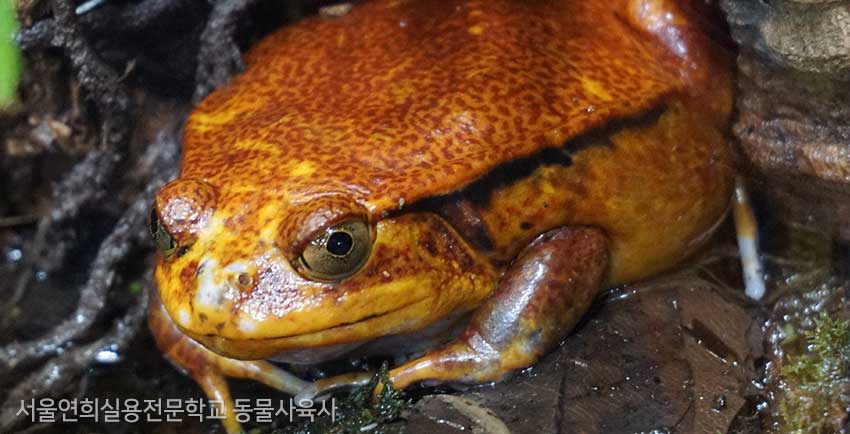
(163, 240)
(338, 252)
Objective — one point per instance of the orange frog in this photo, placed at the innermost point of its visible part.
(422, 166)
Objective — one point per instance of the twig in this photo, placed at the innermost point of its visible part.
(17, 220)
(219, 56)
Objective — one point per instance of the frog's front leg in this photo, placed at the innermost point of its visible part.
(539, 299)
(210, 369)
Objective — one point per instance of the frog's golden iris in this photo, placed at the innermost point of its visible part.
(340, 251)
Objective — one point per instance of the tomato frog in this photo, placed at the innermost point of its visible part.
(454, 179)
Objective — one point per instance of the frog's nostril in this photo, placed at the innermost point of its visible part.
(244, 280)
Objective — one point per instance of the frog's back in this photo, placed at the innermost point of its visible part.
(402, 100)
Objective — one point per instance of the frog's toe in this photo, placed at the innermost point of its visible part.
(326, 386)
(309, 393)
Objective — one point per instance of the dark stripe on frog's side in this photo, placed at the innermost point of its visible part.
(461, 208)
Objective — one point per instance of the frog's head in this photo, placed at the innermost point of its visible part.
(254, 273)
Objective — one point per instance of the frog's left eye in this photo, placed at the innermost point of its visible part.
(337, 253)
(163, 240)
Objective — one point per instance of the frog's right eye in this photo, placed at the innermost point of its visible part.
(164, 242)
(338, 252)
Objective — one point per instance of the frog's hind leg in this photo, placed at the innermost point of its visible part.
(210, 369)
(539, 299)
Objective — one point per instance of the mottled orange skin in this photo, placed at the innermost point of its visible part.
(401, 110)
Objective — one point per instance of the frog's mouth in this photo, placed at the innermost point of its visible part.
(409, 317)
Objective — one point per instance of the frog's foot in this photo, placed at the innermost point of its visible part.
(210, 369)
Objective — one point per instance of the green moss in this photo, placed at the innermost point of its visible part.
(10, 56)
(816, 384)
(359, 412)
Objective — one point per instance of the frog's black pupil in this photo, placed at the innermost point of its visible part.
(339, 243)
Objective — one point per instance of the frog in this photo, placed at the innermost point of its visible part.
(449, 182)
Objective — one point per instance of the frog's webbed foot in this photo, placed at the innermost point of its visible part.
(539, 299)
(210, 369)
